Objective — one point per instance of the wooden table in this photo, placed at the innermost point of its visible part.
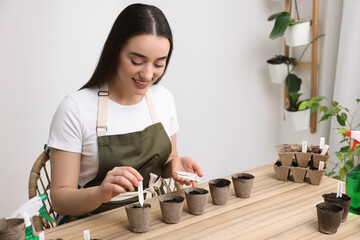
(275, 210)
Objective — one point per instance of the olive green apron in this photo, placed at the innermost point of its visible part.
(147, 151)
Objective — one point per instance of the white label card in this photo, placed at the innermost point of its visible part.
(87, 234)
(339, 189)
(42, 236)
(141, 194)
(321, 165)
(322, 142)
(324, 151)
(304, 146)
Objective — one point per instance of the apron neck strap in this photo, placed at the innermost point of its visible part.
(103, 93)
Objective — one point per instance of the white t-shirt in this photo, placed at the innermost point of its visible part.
(73, 127)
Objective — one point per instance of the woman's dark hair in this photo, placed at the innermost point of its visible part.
(133, 20)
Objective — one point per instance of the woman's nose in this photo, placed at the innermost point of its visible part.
(147, 73)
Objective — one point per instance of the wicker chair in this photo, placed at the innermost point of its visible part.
(39, 173)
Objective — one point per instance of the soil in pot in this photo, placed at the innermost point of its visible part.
(12, 229)
(243, 183)
(219, 190)
(298, 174)
(196, 199)
(344, 201)
(286, 153)
(329, 217)
(171, 208)
(282, 173)
(138, 217)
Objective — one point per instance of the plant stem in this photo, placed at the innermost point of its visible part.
(307, 46)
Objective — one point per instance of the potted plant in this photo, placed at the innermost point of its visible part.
(279, 67)
(344, 119)
(297, 119)
(297, 32)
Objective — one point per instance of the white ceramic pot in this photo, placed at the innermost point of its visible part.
(298, 34)
(299, 120)
(278, 72)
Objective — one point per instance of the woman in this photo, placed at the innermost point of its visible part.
(120, 127)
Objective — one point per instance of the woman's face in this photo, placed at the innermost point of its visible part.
(142, 62)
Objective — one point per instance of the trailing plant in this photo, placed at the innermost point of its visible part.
(282, 21)
(344, 121)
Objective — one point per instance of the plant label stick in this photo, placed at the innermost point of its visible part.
(41, 236)
(339, 189)
(321, 165)
(141, 194)
(304, 146)
(87, 234)
(325, 150)
(322, 142)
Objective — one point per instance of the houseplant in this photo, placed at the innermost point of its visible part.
(297, 32)
(344, 120)
(279, 67)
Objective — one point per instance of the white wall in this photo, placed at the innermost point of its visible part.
(230, 114)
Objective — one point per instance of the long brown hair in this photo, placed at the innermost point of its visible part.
(133, 20)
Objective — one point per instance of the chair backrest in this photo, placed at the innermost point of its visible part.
(40, 174)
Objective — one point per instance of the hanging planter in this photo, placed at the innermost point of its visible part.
(278, 68)
(299, 120)
(298, 34)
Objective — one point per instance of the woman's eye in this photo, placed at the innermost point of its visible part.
(159, 65)
(135, 63)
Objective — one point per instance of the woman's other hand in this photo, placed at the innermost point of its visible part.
(185, 164)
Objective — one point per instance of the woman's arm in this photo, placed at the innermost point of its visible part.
(176, 163)
(67, 199)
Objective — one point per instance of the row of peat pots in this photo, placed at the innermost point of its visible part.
(196, 198)
(296, 165)
(332, 212)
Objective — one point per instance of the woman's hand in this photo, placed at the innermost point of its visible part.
(117, 181)
(185, 164)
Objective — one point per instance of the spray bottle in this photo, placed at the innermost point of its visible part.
(33, 207)
(353, 177)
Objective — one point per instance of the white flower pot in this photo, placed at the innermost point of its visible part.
(298, 34)
(299, 120)
(278, 72)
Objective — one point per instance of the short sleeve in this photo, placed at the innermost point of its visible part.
(66, 127)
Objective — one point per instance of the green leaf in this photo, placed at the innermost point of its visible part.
(344, 140)
(323, 109)
(340, 120)
(317, 99)
(337, 177)
(275, 15)
(330, 173)
(293, 83)
(314, 107)
(349, 165)
(342, 173)
(343, 130)
(346, 109)
(344, 149)
(280, 26)
(338, 155)
(358, 100)
(303, 105)
(335, 103)
(325, 117)
(293, 101)
(344, 116)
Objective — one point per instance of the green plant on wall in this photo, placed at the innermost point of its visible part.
(344, 121)
(282, 21)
